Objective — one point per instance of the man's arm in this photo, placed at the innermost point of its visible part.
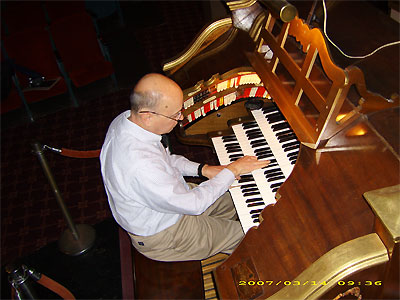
(239, 167)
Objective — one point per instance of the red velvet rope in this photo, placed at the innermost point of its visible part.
(80, 154)
(55, 287)
(51, 285)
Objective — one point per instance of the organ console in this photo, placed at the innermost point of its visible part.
(321, 220)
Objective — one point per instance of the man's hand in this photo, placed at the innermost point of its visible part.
(242, 166)
(211, 171)
(246, 164)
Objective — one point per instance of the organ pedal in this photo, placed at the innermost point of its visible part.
(207, 267)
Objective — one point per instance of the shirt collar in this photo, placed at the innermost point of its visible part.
(139, 132)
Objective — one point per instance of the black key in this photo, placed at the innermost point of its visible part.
(252, 189)
(272, 171)
(234, 149)
(259, 144)
(250, 131)
(245, 180)
(270, 165)
(249, 125)
(295, 143)
(280, 126)
(281, 133)
(287, 149)
(255, 136)
(231, 150)
(254, 200)
(275, 178)
(250, 135)
(274, 185)
(256, 204)
(230, 145)
(271, 175)
(269, 109)
(262, 149)
(275, 119)
(245, 186)
(229, 138)
(251, 194)
(274, 115)
(264, 156)
(257, 141)
(286, 138)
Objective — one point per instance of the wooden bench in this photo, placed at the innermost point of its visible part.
(144, 278)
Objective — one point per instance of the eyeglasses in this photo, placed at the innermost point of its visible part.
(175, 117)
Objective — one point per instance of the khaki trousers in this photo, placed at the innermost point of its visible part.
(195, 237)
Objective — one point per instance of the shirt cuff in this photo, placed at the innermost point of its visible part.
(191, 168)
(227, 175)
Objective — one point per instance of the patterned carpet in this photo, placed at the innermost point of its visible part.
(30, 216)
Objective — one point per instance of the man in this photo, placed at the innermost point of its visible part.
(167, 219)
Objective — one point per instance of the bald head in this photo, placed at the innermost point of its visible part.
(154, 91)
(154, 81)
(156, 104)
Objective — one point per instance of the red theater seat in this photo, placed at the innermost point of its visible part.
(23, 15)
(32, 49)
(13, 101)
(80, 50)
(60, 9)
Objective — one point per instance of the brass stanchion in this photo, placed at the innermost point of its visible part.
(76, 239)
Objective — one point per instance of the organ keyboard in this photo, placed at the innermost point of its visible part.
(325, 156)
(268, 137)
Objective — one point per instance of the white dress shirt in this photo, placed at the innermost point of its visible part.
(144, 181)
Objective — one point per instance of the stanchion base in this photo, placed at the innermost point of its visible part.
(71, 246)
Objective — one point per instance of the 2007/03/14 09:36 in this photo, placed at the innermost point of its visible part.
(311, 282)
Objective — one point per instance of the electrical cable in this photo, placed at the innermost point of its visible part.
(340, 50)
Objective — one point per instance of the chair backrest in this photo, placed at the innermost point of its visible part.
(60, 9)
(76, 40)
(32, 50)
(23, 15)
